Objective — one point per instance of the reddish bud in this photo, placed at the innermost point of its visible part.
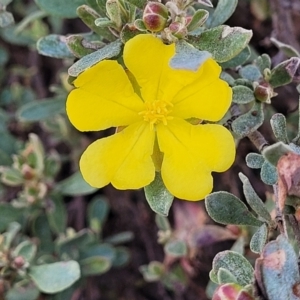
(264, 92)
(155, 16)
(231, 291)
(178, 29)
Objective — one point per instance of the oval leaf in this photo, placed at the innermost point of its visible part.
(158, 197)
(176, 248)
(54, 278)
(96, 265)
(242, 94)
(259, 239)
(226, 208)
(75, 185)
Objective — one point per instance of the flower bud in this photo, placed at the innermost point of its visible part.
(263, 92)
(231, 291)
(155, 16)
(178, 30)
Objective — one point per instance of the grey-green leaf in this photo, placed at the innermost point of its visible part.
(253, 200)
(249, 122)
(259, 239)
(187, 57)
(158, 197)
(268, 173)
(254, 160)
(55, 277)
(238, 60)
(274, 152)
(41, 109)
(109, 51)
(225, 276)
(54, 45)
(236, 264)
(223, 42)
(75, 185)
(278, 124)
(176, 248)
(222, 13)
(242, 94)
(288, 50)
(6, 19)
(96, 265)
(250, 72)
(64, 9)
(226, 208)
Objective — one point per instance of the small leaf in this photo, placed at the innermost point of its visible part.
(128, 32)
(152, 272)
(268, 173)
(238, 60)
(236, 264)
(109, 51)
(250, 72)
(249, 122)
(225, 276)
(97, 212)
(57, 214)
(242, 94)
(226, 208)
(158, 197)
(26, 249)
(94, 265)
(122, 257)
(259, 239)
(54, 45)
(54, 278)
(8, 214)
(263, 62)
(22, 291)
(120, 238)
(222, 13)
(274, 152)
(253, 200)
(41, 109)
(75, 45)
(254, 160)
(223, 42)
(74, 185)
(6, 19)
(138, 3)
(176, 248)
(162, 222)
(198, 19)
(64, 9)
(278, 124)
(277, 270)
(187, 57)
(288, 50)
(103, 250)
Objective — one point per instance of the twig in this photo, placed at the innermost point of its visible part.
(258, 140)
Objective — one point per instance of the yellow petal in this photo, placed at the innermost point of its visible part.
(191, 153)
(104, 98)
(207, 98)
(123, 159)
(148, 58)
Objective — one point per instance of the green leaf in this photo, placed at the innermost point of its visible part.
(8, 214)
(152, 272)
(198, 19)
(278, 124)
(223, 42)
(250, 72)
(288, 50)
(109, 51)
(242, 94)
(10, 234)
(120, 238)
(158, 197)
(238, 60)
(254, 160)
(103, 250)
(97, 212)
(122, 257)
(253, 200)
(94, 265)
(26, 249)
(56, 277)
(138, 3)
(6, 19)
(274, 152)
(128, 32)
(263, 62)
(277, 270)
(5, 2)
(259, 239)
(225, 276)
(268, 173)
(57, 214)
(236, 264)
(25, 292)
(54, 45)
(162, 222)
(222, 13)
(74, 185)
(64, 9)
(3, 56)
(187, 57)
(250, 121)
(41, 109)
(226, 208)
(176, 248)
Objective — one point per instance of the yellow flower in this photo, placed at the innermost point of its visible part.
(151, 102)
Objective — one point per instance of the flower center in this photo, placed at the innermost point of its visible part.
(156, 112)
